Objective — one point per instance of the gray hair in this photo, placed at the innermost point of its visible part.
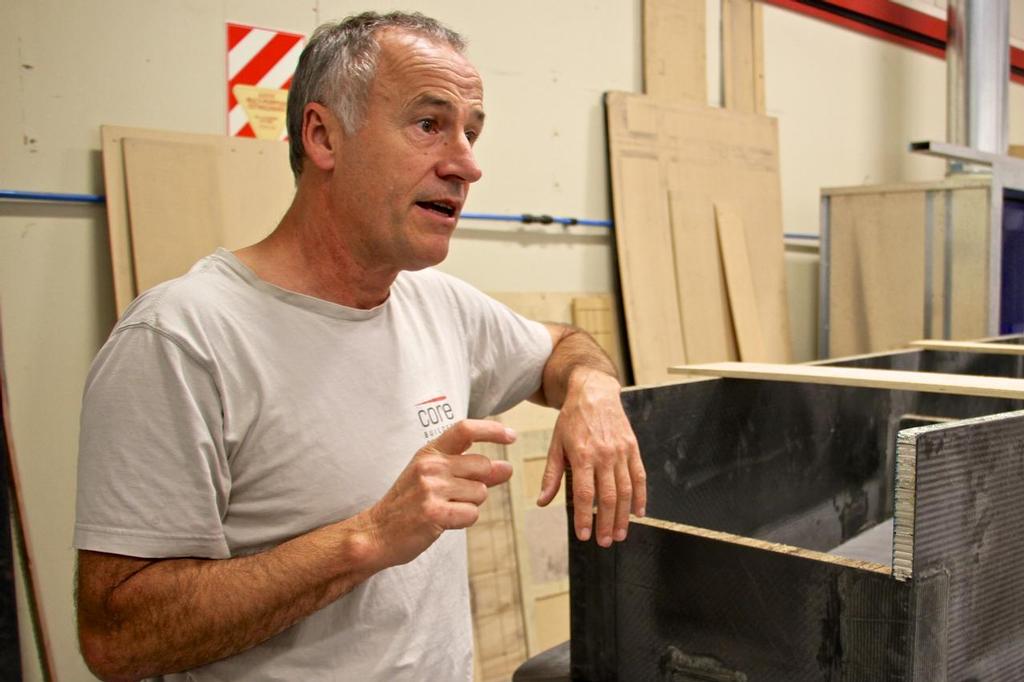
(338, 64)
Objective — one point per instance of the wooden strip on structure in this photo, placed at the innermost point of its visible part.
(765, 545)
(675, 60)
(743, 56)
(970, 346)
(736, 262)
(927, 382)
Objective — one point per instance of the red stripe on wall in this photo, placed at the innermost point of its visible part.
(262, 62)
(895, 14)
(236, 33)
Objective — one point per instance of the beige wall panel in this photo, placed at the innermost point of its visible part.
(877, 271)
(802, 282)
(970, 263)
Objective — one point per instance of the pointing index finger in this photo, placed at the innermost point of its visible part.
(463, 434)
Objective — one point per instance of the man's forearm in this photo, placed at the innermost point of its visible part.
(593, 436)
(141, 617)
(573, 350)
(176, 614)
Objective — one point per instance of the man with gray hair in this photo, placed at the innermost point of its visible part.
(247, 505)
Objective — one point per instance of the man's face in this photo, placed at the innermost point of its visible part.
(401, 180)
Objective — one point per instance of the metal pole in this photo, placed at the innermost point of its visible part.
(977, 76)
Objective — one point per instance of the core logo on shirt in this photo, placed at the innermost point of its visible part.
(435, 416)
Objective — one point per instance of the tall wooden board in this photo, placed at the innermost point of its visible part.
(736, 262)
(692, 156)
(675, 63)
(742, 56)
(646, 263)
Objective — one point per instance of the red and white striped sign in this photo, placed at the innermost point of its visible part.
(260, 67)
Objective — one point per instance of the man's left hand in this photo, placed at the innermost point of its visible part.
(593, 436)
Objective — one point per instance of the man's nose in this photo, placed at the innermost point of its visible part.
(459, 161)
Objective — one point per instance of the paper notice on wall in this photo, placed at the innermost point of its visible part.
(260, 64)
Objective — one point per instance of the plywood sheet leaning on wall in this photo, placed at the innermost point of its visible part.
(876, 271)
(691, 156)
(906, 261)
(736, 262)
(173, 197)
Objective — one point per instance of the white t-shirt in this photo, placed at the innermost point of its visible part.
(226, 415)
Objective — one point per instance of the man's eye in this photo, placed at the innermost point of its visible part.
(427, 125)
(471, 135)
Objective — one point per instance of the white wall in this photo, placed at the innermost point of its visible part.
(847, 105)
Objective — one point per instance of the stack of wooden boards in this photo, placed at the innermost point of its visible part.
(697, 199)
(172, 198)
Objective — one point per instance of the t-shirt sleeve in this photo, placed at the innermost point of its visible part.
(153, 477)
(507, 352)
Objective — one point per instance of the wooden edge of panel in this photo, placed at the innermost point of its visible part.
(969, 346)
(775, 547)
(928, 382)
(937, 185)
(119, 234)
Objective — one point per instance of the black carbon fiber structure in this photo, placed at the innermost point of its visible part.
(810, 466)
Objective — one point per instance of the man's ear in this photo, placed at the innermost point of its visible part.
(321, 133)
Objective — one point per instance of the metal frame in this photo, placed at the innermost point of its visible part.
(1007, 173)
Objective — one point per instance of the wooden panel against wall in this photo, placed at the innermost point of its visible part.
(179, 195)
(892, 278)
(700, 156)
(877, 271)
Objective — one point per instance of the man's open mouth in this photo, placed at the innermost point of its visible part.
(437, 207)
